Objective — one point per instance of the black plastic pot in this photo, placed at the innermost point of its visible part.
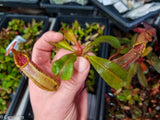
(17, 97)
(123, 23)
(67, 8)
(94, 99)
(20, 3)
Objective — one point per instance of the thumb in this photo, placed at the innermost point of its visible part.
(76, 83)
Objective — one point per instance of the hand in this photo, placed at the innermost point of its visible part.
(67, 103)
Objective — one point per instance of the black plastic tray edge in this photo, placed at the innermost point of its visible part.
(16, 98)
(53, 8)
(102, 104)
(23, 82)
(19, 1)
(26, 108)
(2, 15)
(29, 4)
(121, 22)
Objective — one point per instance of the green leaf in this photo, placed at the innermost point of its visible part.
(121, 97)
(125, 50)
(120, 116)
(147, 51)
(136, 97)
(2, 76)
(63, 44)
(111, 72)
(7, 84)
(141, 77)
(1, 100)
(69, 35)
(63, 67)
(8, 58)
(113, 41)
(131, 72)
(124, 40)
(133, 40)
(155, 62)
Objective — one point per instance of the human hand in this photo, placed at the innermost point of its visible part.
(67, 103)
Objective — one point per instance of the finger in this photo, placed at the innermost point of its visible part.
(71, 87)
(82, 102)
(42, 48)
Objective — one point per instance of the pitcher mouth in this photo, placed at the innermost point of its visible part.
(20, 58)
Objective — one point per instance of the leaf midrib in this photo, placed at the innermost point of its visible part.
(107, 70)
(61, 71)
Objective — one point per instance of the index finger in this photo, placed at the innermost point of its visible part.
(42, 48)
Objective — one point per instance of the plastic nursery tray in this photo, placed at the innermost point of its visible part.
(1, 15)
(94, 105)
(67, 8)
(26, 18)
(17, 97)
(20, 3)
(123, 23)
(23, 84)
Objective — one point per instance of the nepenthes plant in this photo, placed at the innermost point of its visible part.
(115, 73)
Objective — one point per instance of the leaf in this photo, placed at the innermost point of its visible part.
(121, 97)
(7, 84)
(131, 72)
(2, 76)
(155, 62)
(113, 41)
(124, 40)
(119, 116)
(111, 72)
(69, 35)
(124, 50)
(133, 40)
(147, 51)
(63, 67)
(141, 77)
(63, 44)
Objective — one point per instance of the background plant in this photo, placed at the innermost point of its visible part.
(139, 100)
(9, 73)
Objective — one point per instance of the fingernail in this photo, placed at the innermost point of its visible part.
(81, 64)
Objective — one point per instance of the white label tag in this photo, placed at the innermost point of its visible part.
(109, 2)
(18, 39)
(120, 7)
